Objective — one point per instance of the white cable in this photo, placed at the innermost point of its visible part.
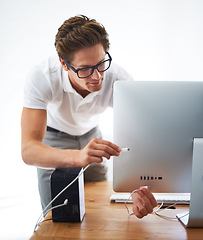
(159, 208)
(60, 205)
(171, 218)
(41, 216)
(128, 200)
(132, 212)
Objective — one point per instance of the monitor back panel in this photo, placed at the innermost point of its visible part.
(157, 121)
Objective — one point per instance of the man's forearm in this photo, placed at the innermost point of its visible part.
(37, 154)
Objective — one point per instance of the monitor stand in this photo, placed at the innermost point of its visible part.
(194, 217)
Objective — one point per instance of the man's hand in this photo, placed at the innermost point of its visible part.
(96, 149)
(143, 202)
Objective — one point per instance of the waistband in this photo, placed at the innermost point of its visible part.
(50, 129)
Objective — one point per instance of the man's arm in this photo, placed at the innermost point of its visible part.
(34, 152)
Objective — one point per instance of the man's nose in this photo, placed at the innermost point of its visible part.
(96, 74)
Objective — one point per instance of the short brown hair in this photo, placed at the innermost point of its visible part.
(79, 32)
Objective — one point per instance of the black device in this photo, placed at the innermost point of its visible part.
(75, 209)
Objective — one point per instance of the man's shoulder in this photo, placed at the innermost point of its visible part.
(50, 64)
(49, 69)
(46, 75)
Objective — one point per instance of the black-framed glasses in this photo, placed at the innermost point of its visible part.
(87, 71)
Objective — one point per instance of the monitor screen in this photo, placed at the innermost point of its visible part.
(157, 121)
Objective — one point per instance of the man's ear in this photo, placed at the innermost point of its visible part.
(63, 64)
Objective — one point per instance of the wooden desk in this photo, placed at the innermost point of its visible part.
(106, 220)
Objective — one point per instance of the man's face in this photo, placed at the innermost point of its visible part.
(87, 57)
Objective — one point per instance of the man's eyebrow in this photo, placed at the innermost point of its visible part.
(87, 66)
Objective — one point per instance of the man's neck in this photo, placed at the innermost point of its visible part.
(82, 92)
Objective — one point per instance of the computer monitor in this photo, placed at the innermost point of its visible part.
(157, 121)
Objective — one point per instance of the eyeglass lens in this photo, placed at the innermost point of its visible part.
(86, 72)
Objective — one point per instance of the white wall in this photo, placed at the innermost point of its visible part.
(152, 39)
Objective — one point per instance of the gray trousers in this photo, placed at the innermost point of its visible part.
(60, 140)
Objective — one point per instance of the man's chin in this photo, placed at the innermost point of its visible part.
(95, 86)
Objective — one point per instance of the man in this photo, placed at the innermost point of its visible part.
(63, 99)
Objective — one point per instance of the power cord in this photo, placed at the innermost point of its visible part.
(66, 201)
(45, 211)
(131, 213)
(171, 218)
(159, 209)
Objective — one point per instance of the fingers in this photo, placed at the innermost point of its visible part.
(149, 196)
(106, 148)
(96, 149)
(102, 148)
(143, 202)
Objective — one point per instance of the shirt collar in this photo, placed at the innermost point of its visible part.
(67, 87)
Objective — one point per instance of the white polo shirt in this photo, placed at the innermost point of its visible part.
(48, 87)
